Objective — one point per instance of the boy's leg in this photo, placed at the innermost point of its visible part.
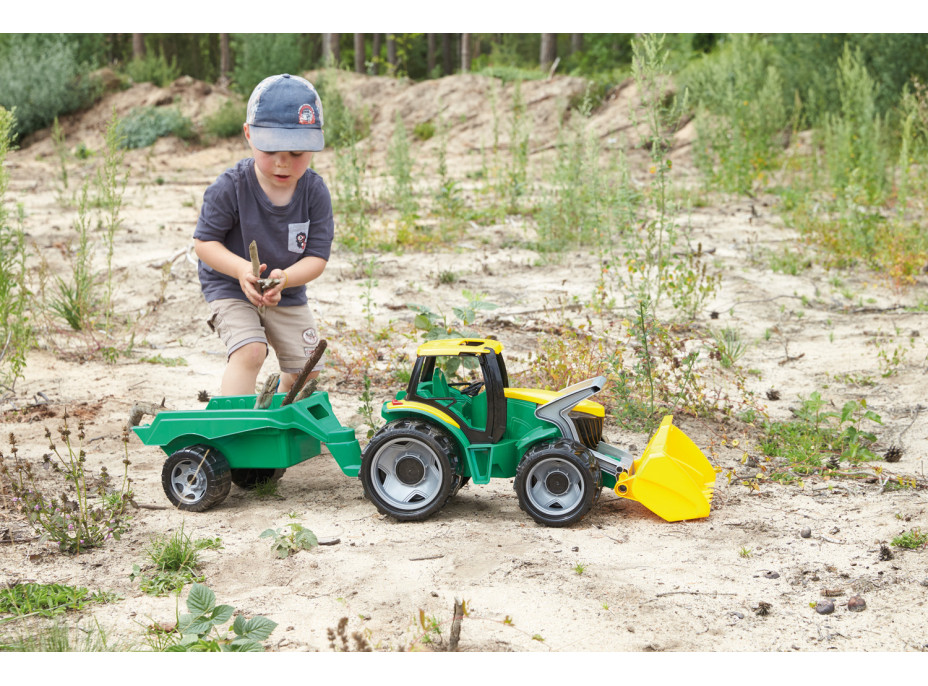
(242, 371)
(239, 326)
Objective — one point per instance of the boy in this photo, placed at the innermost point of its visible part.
(272, 198)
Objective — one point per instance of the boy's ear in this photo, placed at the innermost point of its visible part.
(245, 130)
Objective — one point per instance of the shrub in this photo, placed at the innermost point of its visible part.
(144, 125)
(227, 121)
(342, 125)
(259, 55)
(41, 78)
(153, 69)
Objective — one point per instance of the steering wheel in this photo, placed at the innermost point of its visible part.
(470, 389)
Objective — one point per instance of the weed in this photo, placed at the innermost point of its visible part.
(366, 409)
(579, 568)
(436, 326)
(165, 361)
(85, 516)
(912, 539)
(338, 639)
(268, 488)
(728, 347)
(199, 629)
(48, 600)
(424, 130)
(111, 180)
(744, 552)
(16, 326)
(286, 542)
(155, 69)
(400, 168)
(175, 561)
(818, 438)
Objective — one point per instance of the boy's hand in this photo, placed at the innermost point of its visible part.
(272, 295)
(249, 285)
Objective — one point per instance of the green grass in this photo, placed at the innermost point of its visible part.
(48, 600)
(175, 561)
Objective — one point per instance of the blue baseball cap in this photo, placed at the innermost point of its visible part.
(285, 114)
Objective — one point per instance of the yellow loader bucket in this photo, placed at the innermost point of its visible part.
(672, 478)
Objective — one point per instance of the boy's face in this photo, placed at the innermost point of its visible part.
(281, 170)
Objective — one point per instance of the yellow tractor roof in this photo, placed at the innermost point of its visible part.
(458, 346)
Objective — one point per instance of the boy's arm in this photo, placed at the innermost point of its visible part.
(220, 258)
(300, 273)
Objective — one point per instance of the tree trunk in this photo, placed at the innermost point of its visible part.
(431, 53)
(138, 46)
(548, 50)
(391, 53)
(359, 53)
(447, 55)
(375, 52)
(465, 52)
(225, 59)
(330, 52)
(576, 42)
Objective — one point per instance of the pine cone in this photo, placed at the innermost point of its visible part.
(893, 453)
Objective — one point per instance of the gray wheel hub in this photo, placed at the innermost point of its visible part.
(555, 486)
(188, 481)
(406, 473)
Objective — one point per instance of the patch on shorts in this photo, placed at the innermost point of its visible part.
(311, 338)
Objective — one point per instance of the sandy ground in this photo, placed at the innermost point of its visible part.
(622, 579)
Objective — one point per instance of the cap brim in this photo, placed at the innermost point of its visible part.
(303, 139)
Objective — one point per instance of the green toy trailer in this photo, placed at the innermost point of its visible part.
(231, 442)
(440, 434)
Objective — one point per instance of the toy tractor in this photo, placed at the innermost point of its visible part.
(440, 433)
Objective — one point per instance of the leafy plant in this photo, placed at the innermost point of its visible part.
(111, 180)
(912, 539)
(435, 326)
(293, 541)
(48, 600)
(198, 630)
(366, 409)
(89, 512)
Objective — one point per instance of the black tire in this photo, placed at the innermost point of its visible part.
(557, 483)
(459, 483)
(408, 469)
(196, 478)
(250, 478)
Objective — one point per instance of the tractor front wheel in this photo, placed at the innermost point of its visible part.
(557, 483)
(196, 478)
(408, 469)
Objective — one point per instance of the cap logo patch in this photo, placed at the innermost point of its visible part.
(307, 115)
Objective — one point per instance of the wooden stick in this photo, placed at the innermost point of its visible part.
(263, 401)
(304, 373)
(255, 262)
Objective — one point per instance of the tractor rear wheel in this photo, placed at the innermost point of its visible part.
(557, 483)
(196, 478)
(408, 469)
(249, 479)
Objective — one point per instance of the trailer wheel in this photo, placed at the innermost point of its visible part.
(196, 478)
(249, 479)
(557, 483)
(408, 469)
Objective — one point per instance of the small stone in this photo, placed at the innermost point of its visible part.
(806, 532)
(825, 607)
(576, 549)
(772, 575)
(762, 609)
(856, 604)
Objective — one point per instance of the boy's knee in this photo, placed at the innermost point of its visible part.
(250, 355)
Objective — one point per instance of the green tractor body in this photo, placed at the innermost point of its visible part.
(458, 414)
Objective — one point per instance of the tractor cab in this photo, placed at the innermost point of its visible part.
(464, 380)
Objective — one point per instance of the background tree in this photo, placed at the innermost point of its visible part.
(359, 53)
(391, 53)
(465, 52)
(225, 59)
(548, 50)
(138, 46)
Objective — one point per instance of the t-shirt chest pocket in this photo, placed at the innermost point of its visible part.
(298, 233)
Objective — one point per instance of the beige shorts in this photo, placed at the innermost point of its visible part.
(291, 331)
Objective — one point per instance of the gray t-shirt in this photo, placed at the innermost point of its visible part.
(236, 211)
